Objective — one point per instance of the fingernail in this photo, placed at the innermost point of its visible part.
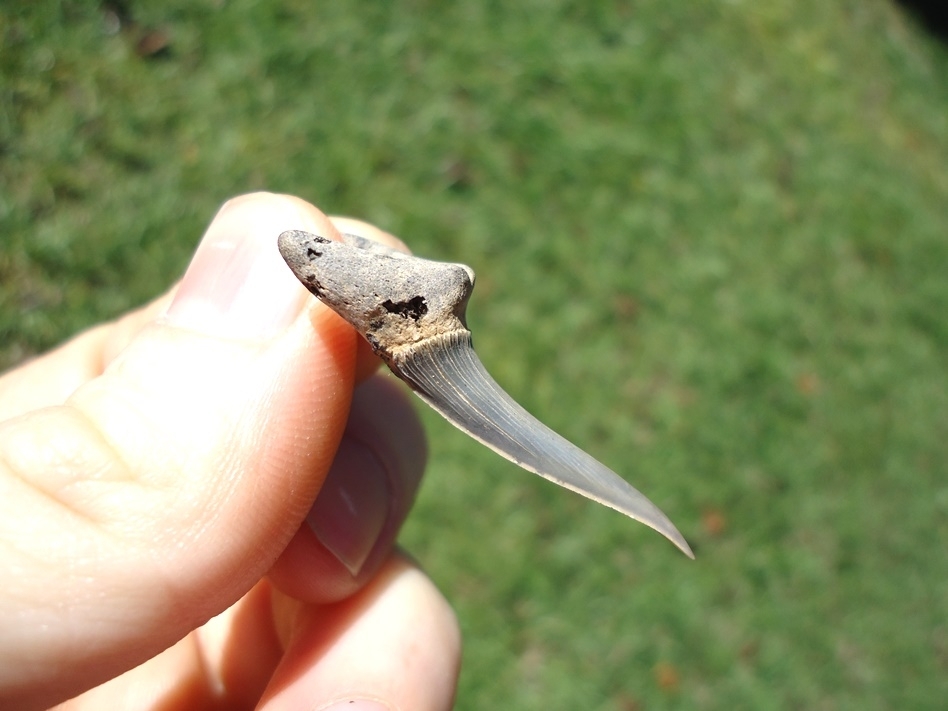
(353, 505)
(356, 705)
(237, 285)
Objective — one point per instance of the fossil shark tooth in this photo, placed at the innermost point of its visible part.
(412, 312)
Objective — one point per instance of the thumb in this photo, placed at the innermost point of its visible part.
(164, 488)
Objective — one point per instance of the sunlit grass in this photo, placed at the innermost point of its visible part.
(711, 242)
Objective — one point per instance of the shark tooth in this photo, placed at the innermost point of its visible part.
(412, 312)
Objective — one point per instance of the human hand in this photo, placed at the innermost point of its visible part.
(157, 476)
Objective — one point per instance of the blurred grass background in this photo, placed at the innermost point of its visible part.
(711, 241)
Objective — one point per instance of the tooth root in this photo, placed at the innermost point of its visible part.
(412, 311)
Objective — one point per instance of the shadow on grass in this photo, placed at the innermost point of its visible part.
(931, 13)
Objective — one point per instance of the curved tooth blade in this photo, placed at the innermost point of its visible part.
(447, 374)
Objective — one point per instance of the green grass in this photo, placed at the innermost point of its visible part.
(711, 242)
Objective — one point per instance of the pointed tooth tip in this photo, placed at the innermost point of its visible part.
(669, 531)
(662, 526)
(683, 546)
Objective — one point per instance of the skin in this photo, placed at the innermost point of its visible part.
(157, 480)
